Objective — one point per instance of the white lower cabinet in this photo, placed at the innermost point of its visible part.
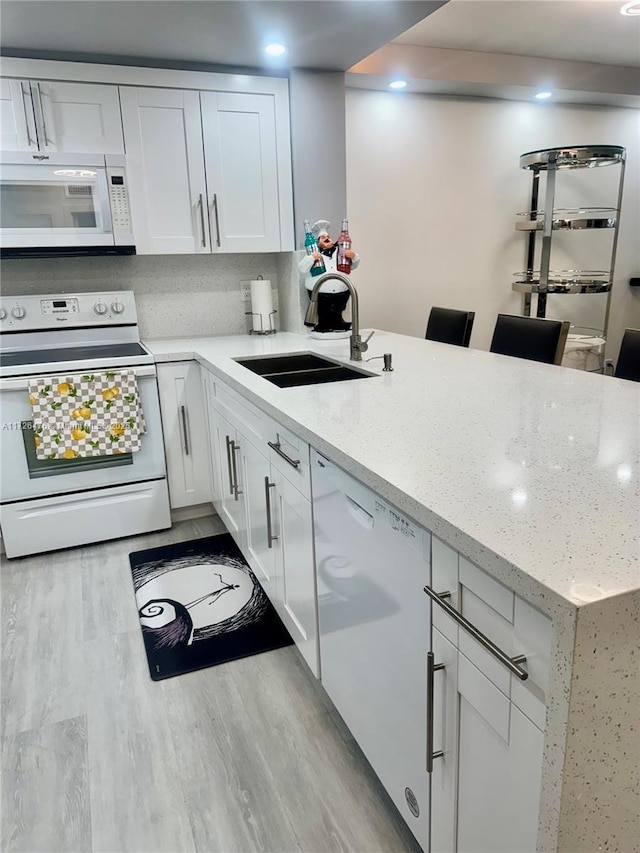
(485, 788)
(269, 517)
(230, 503)
(485, 784)
(185, 434)
(295, 575)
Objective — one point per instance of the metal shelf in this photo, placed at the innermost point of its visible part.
(576, 157)
(577, 219)
(542, 222)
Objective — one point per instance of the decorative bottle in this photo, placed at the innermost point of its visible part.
(311, 246)
(344, 244)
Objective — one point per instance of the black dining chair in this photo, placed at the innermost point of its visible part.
(530, 337)
(628, 364)
(448, 326)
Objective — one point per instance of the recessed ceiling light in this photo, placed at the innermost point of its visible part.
(397, 84)
(275, 49)
(631, 9)
(542, 96)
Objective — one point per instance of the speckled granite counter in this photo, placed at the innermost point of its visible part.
(532, 472)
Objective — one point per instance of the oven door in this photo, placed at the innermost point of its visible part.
(23, 476)
(54, 203)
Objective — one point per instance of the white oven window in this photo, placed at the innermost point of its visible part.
(54, 467)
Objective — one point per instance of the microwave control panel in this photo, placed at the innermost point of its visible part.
(119, 200)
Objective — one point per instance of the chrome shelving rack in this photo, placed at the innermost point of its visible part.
(540, 222)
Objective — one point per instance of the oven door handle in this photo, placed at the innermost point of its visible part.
(22, 384)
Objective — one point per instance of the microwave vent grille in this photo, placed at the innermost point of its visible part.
(79, 190)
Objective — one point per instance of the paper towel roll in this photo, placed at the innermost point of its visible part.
(262, 305)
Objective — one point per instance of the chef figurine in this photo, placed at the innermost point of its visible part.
(333, 295)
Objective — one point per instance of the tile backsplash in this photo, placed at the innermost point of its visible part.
(176, 295)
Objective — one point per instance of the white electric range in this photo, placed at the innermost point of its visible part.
(60, 503)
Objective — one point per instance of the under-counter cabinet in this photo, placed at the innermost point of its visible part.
(263, 498)
(185, 434)
(205, 174)
(45, 116)
(486, 738)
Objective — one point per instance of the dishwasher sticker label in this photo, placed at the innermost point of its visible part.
(404, 528)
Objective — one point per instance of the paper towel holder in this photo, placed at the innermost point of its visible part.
(262, 331)
(270, 331)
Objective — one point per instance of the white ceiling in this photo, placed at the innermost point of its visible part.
(321, 34)
(587, 30)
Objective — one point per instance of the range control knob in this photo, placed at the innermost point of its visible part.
(100, 308)
(3, 313)
(117, 307)
(18, 312)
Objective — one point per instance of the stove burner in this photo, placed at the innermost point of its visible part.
(60, 354)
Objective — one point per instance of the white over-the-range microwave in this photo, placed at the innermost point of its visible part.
(63, 204)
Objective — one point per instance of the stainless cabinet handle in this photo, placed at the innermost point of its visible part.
(44, 123)
(432, 668)
(236, 491)
(512, 664)
(295, 463)
(203, 240)
(231, 483)
(183, 415)
(217, 221)
(267, 497)
(26, 119)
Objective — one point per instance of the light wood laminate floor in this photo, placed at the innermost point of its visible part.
(247, 756)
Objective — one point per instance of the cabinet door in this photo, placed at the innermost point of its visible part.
(242, 171)
(230, 505)
(163, 139)
(444, 778)
(81, 118)
(499, 769)
(185, 437)
(17, 119)
(295, 567)
(260, 551)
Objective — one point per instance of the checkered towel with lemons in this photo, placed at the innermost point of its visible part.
(91, 414)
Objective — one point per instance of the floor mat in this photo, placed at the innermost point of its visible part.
(199, 605)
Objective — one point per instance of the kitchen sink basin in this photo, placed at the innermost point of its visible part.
(287, 371)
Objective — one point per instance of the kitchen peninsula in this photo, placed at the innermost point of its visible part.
(529, 472)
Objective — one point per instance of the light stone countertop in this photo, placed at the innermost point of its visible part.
(529, 470)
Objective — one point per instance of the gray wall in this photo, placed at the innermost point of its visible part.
(318, 148)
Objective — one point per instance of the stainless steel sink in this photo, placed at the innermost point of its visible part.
(305, 368)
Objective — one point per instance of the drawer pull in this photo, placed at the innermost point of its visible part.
(432, 668)
(236, 490)
(229, 443)
(512, 664)
(295, 463)
(267, 497)
(185, 430)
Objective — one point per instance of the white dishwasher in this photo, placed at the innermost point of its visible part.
(372, 564)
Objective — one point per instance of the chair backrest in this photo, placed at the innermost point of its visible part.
(628, 365)
(449, 326)
(530, 337)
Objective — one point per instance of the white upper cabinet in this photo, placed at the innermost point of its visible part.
(203, 171)
(76, 118)
(242, 171)
(17, 119)
(166, 170)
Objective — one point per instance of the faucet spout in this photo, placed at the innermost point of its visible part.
(357, 345)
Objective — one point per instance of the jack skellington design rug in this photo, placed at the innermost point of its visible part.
(199, 605)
